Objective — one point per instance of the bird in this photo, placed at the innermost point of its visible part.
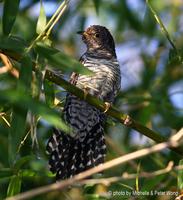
(84, 147)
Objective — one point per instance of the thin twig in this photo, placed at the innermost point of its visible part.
(153, 174)
(8, 67)
(23, 141)
(115, 162)
(108, 181)
(2, 115)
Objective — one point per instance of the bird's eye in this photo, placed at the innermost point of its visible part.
(97, 35)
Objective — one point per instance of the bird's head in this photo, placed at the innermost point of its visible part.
(98, 38)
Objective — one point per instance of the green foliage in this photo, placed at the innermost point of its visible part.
(10, 12)
(19, 114)
(14, 186)
(12, 43)
(27, 102)
(49, 92)
(41, 23)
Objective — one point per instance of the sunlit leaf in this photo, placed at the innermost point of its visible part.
(9, 15)
(41, 23)
(28, 173)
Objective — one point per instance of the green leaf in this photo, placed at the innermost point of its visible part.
(14, 186)
(149, 24)
(149, 185)
(180, 176)
(137, 177)
(49, 92)
(41, 23)
(97, 5)
(19, 115)
(28, 173)
(12, 44)
(22, 102)
(9, 15)
(37, 82)
(60, 60)
(22, 161)
(25, 74)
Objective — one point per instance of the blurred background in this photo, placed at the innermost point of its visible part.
(151, 87)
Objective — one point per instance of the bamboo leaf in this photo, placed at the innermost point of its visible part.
(14, 186)
(97, 5)
(18, 123)
(22, 161)
(25, 74)
(12, 44)
(9, 15)
(61, 61)
(41, 23)
(22, 102)
(49, 92)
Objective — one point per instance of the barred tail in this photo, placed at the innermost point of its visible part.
(70, 156)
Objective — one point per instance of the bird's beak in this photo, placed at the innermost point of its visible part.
(80, 32)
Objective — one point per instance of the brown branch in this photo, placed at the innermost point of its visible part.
(173, 142)
(126, 176)
(8, 67)
(153, 174)
(113, 112)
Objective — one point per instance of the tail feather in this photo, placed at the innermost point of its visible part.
(70, 156)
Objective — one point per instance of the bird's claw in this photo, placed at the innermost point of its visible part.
(128, 120)
(86, 91)
(107, 106)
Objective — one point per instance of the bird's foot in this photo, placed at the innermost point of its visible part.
(86, 91)
(107, 106)
(128, 120)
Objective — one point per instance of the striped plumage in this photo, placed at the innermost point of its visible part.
(85, 147)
